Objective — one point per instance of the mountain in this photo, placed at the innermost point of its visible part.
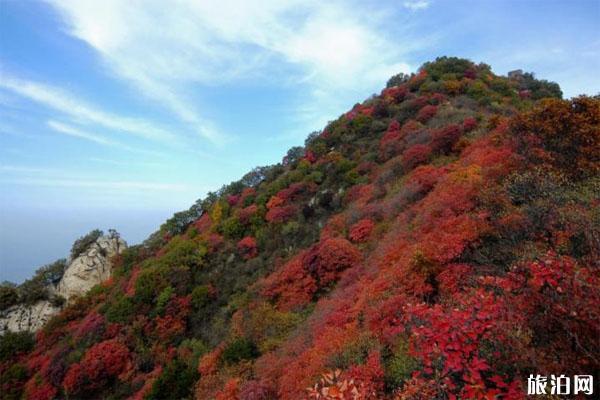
(29, 306)
(439, 240)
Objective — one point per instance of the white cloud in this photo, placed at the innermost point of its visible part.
(328, 47)
(69, 130)
(93, 137)
(79, 110)
(415, 5)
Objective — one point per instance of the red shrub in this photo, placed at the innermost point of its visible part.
(233, 199)
(245, 214)
(247, 247)
(280, 214)
(416, 155)
(310, 156)
(203, 223)
(105, 360)
(360, 231)
(214, 241)
(275, 201)
(426, 113)
(102, 362)
(41, 390)
(469, 124)
(444, 138)
(257, 390)
(325, 260)
(290, 285)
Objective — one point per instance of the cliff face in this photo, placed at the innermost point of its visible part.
(90, 268)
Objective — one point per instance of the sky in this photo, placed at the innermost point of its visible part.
(116, 114)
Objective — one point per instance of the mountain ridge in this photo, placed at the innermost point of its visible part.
(439, 240)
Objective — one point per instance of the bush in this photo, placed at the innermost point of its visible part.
(13, 343)
(176, 382)
(238, 350)
(200, 296)
(120, 310)
(12, 380)
(8, 295)
(84, 242)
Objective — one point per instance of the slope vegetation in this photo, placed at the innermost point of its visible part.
(440, 240)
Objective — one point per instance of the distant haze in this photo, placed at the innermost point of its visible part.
(31, 238)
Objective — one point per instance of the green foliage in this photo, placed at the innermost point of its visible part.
(397, 80)
(238, 350)
(354, 354)
(163, 299)
(176, 382)
(232, 228)
(119, 309)
(447, 65)
(399, 365)
(200, 296)
(12, 380)
(84, 242)
(9, 295)
(13, 343)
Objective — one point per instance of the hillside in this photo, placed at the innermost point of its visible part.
(439, 240)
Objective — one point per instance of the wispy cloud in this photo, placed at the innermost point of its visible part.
(71, 131)
(327, 47)
(96, 138)
(78, 109)
(415, 5)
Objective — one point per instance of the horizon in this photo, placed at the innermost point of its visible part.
(119, 126)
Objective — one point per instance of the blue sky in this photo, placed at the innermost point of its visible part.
(118, 113)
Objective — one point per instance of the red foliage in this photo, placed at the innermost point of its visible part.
(310, 156)
(290, 284)
(469, 124)
(361, 231)
(280, 214)
(230, 390)
(41, 390)
(74, 379)
(93, 323)
(257, 390)
(470, 73)
(299, 279)
(426, 113)
(247, 247)
(416, 155)
(173, 324)
(214, 241)
(391, 142)
(369, 377)
(245, 214)
(449, 344)
(395, 93)
(203, 223)
(275, 201)
(102, 362)
(209, 363)
(444, 138)
(557, 292)
(233, 199)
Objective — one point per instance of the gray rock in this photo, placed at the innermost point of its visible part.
(84, 272)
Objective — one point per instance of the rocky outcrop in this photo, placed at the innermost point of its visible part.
(90, 268)
(27, 318)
